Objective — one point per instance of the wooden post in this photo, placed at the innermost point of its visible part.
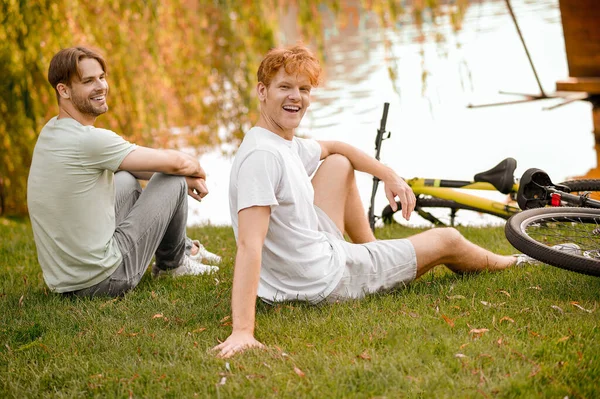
(581, 28)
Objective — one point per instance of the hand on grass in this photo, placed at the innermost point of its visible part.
(237, 342)
(397, 187)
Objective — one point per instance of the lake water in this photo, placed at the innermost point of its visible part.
(433, 132)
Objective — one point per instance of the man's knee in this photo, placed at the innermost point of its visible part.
(126, 181)
(449, 237)
(337, 161)
(336, 166)
(169, 182)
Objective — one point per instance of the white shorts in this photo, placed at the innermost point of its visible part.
(371, 267)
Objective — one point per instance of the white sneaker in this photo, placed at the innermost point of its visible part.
(205, 255)
(569, 247)
(188, 267)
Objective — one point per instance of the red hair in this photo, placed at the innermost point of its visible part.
(295, 60)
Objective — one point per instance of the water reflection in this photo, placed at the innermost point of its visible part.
(429, 83)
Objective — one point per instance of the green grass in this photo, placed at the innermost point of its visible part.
(541, 336)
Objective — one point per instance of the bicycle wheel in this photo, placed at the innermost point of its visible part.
(424, 206)
(591, 185)
(535, 231)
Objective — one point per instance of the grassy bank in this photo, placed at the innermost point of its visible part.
(526, 332)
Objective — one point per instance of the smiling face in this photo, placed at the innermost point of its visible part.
(84, 99)
(284, 102)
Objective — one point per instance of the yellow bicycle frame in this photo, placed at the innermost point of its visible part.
(447, 189)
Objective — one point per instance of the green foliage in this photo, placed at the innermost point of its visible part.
(526, 332)
(183, 66)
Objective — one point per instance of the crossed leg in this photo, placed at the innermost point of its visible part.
(337, 195)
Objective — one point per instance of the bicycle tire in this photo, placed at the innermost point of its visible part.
(589, 185)
(534, 231)
(387, 215)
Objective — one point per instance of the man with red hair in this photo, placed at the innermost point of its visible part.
(289, 228)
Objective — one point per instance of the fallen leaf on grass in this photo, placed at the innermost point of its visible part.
(455, 297)
(448, 320)
(364, 356)
(223, 381)
(563, 339)
(21, 300)
(557, 308)
(578, 306)
(477, 332)
(224, 319)
(158, 315)
(460, 355)
(506, 318)
(537, 287)
(197, 330)
(121, 330)
(299, 372)
(505, 293)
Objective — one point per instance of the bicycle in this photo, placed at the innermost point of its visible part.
(434, 193)
(552, 217)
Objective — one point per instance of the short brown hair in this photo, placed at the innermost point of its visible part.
(65, 64)
(296, 59)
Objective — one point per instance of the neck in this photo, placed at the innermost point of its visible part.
(287, 134)
(67, 111)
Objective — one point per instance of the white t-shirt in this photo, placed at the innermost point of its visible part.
(71, 200)
(298, 261)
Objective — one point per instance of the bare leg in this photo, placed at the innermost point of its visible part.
(337, 195)
(447, 246)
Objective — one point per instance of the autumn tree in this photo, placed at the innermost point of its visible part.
(181, 72)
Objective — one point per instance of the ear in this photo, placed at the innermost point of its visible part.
(261, 90)
(63, 90)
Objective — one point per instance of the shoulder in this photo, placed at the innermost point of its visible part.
(257, 143)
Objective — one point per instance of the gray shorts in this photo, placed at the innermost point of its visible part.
(372, 267)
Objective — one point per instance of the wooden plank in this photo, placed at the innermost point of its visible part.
(581, 27)
(588, 85)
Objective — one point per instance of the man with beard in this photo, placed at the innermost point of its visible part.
(94, 227)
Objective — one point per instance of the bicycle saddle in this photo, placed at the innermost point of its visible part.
(500, 176)
(533, 189)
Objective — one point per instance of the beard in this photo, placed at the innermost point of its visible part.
(85, 106)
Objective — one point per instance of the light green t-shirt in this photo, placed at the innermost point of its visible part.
(71, 201)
